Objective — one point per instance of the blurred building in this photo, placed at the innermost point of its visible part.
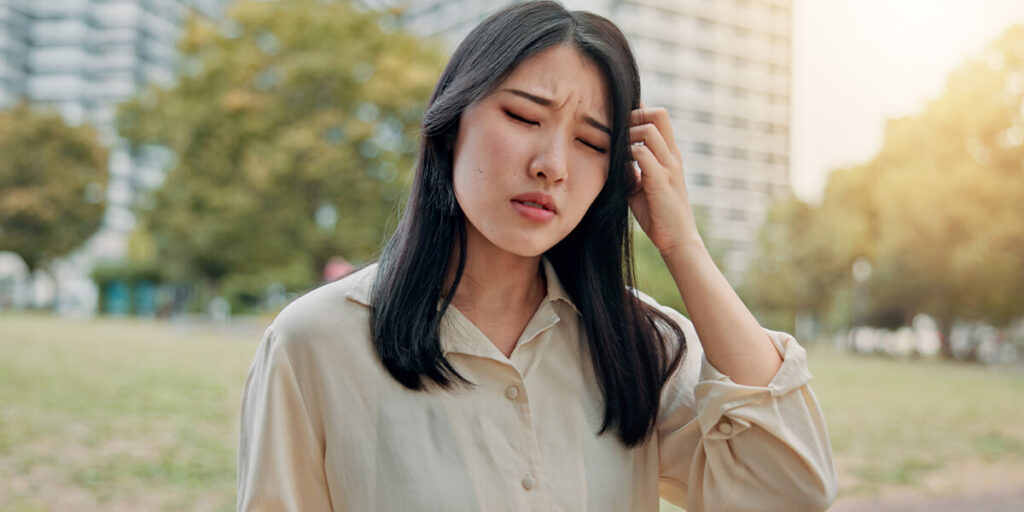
(83, 57)
(723, 70)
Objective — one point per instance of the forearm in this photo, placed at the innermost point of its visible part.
(734, 343)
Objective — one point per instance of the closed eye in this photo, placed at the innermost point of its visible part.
(535, 123)
(521, 119)
(591, 146)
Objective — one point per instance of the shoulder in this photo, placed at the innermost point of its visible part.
(326, 315)
(678, 391)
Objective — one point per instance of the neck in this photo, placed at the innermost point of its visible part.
(496, 281)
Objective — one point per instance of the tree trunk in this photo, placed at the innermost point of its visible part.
(945, 343)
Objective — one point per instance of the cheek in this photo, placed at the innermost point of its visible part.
(487, 157)
(587, 190)
(473, 177)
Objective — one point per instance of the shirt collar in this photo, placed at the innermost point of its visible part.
(363, 285)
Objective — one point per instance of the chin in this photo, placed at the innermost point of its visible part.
(526, 250)
(527, 246)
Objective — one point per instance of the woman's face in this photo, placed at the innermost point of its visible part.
(531, 157)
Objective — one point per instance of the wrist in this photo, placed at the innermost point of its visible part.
(687, 245)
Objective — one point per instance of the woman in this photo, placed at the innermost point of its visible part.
(497, 357)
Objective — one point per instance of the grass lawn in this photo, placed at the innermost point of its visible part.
(135, 415)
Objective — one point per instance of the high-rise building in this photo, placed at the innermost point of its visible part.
(82, 58)
(722, 68)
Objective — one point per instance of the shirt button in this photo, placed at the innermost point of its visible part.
(512, 392)
(725, 428)
(529, 482)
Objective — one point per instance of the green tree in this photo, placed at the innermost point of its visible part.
(52, 182)
(294, 126)
(949, 197)
(774, 285)
(937, 211)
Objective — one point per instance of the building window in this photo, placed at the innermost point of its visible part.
(702, 148)
(703, 180)
(737, 184)
(737, 214)
(665, 78)
(702, 116)
(774, 190)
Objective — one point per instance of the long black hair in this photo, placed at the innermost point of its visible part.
(630, 343)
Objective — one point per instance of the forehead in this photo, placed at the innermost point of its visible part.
(562, 74)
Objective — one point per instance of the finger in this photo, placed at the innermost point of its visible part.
(659, 117)
(652, 138)
(650, 168)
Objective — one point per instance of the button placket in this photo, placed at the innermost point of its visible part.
(512, 392)
(516, 392)
(529, 481)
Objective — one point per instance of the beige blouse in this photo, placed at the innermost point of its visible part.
(325, 427)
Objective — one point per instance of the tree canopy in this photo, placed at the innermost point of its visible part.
(53, 180)
(293, 127)
(937, 212)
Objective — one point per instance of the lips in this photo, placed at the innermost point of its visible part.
(535, 206)
(537, 200)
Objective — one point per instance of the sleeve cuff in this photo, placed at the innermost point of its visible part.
(716, 394)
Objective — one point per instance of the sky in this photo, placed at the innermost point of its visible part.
(857, 63)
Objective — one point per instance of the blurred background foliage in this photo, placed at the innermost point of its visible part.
(294, 127)
(53, 179)
(292, 130)
(937, 216)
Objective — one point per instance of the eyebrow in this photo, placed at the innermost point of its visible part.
(547, 103)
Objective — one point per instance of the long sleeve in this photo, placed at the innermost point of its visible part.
(280, 451)
(726, 446)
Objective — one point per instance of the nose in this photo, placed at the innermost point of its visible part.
(550, 161)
